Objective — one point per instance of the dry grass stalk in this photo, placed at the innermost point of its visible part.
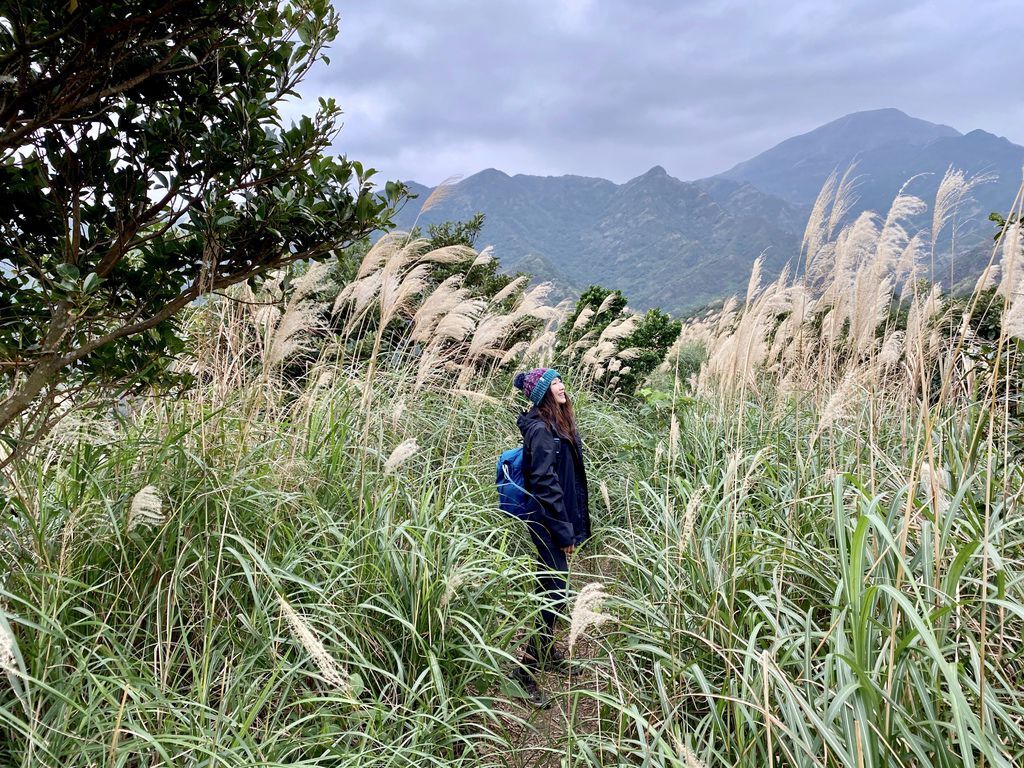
(146, 509)
(328, 666)
(586, 611)
(402, 452)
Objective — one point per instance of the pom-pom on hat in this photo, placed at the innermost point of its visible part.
(535, 383)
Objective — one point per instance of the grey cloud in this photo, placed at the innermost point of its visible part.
(610, 89)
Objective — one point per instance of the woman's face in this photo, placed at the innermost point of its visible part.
(558, 391)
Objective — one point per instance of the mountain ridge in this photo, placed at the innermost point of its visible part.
(680, 244)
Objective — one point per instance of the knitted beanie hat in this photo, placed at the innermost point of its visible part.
(535, 383)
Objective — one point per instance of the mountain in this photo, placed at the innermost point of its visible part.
(662, 241)
(796, 169)
(680, 244)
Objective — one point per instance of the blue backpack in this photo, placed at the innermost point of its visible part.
(513, 498)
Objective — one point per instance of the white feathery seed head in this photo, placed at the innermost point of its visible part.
(328, 666)
(510, 289)
(935, 487)
(402, 452)
(690, 517)
(583, 318)
(586, 611)
(607, 303)
(8, 663)
(604, 495)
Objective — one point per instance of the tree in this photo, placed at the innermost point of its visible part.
(143, 164)
(618, 348)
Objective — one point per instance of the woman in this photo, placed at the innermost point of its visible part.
(554, 473)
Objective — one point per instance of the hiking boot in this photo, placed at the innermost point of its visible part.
(534, 694)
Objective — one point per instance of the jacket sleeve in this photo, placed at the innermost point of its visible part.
(544, 485)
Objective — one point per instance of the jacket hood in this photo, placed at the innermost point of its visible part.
(526, 418)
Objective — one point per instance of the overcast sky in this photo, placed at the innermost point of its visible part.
(609, 89)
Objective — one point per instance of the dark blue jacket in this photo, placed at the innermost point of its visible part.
(554, 472)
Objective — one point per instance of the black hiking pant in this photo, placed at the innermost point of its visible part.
(551, 587)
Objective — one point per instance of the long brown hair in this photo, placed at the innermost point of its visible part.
(558, 416)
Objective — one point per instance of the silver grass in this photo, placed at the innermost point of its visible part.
(146, 509)
(586, 612)
(584, 317)
(935, 487)
(839, 404)
(485, 257)
(510, 289)
(1011, 263)
(541, 346)
(892, 349)
(460, 322)
(397, 411)
(380, 253)
(293, 333)
(449, 254)
(476, 397)
(606, 303)
(439, 194)
(816, 232)
(630, 353)
(317, 278)
(625, 370)
(691, 759)
(953, 189)
(1013, 318)
(674, 438)
(754, 284)
(618, 329)
(513, 352)
(490, 332)
(690, 517)
(402, 452)
(586, 340)
(8, 664)
(328, 666)
(362, 296)
(906, 265)
(396, 297)
(988, 278)
(531, 304)
(443, 299)
(843, 202)
(894, 238)
(453, 583)
(604, 495)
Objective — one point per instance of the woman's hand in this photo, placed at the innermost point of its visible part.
(570, 549)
